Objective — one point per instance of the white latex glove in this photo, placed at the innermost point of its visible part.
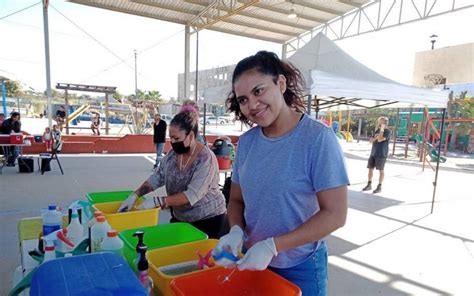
(128, 204)
(231, 242)
(151, 203)
(258, 256)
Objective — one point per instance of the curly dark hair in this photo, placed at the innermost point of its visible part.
(268, 63)
(186, 121)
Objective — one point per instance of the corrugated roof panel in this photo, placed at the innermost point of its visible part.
(249, 32)
(265, 19)
(251, 22)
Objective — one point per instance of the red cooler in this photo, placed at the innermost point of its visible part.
(16, 138)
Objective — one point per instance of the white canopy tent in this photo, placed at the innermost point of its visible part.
(337, 78)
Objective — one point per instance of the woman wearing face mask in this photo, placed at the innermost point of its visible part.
(191, 175)
(289, 183)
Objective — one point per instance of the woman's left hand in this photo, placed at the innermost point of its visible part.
(258, 256)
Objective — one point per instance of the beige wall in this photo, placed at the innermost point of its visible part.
(455, 63)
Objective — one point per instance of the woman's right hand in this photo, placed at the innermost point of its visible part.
(232, 242)
(128, 204)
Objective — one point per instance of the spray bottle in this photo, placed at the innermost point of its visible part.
(75, 230)
(85, 213)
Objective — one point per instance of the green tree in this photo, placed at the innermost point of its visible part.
(140, 93)
(13, 89)
(153, 95)
(118, 96)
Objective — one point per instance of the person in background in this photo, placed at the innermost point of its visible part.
(48, 139)
(56, 133)
(2, 118)
(60, 117)
(289, 181)
(159, 137)
(12, 125)
(191, 176)
(379, 153)
(95, 123)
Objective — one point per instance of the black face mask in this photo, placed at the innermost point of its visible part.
(179, 147)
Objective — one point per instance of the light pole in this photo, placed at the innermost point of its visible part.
(136, 80)
(433, 40)
(47, 62)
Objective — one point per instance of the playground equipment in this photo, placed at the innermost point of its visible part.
(78, 112)
(87, 88)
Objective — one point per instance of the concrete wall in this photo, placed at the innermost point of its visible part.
(207, 78)
(455, 63)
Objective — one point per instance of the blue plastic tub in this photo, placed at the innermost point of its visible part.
(97, 274)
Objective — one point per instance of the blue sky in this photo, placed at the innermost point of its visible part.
(77, 58)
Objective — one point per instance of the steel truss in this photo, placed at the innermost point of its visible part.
(376, 16)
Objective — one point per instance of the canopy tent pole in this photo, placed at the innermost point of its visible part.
(435, 183)
(4, 96)
(408, 132)
(395, 131)
(359, 129)
(423, 133)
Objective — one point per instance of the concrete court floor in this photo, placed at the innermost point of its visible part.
(390, 245)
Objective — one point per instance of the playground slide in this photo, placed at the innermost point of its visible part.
(78, 112)
(348, 136)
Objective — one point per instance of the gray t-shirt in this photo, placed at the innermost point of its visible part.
(199, 182)
(279, 179)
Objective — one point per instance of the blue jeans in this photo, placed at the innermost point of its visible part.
(159, 152)
(311, 276)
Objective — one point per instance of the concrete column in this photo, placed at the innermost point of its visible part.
(187, 45)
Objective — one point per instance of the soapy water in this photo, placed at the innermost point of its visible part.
(179, 268)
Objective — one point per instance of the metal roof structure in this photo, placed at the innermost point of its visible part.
(260, 19)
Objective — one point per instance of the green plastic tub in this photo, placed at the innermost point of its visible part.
(159, 236)
(110, 196)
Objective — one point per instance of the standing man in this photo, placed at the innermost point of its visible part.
(159, 137)
(379, 153)
(61, 117)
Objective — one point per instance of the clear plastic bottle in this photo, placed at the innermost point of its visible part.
(75, 231)
(113, 243)
(98, 233)
(52, 220)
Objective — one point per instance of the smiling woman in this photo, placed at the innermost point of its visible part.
(288, 166)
